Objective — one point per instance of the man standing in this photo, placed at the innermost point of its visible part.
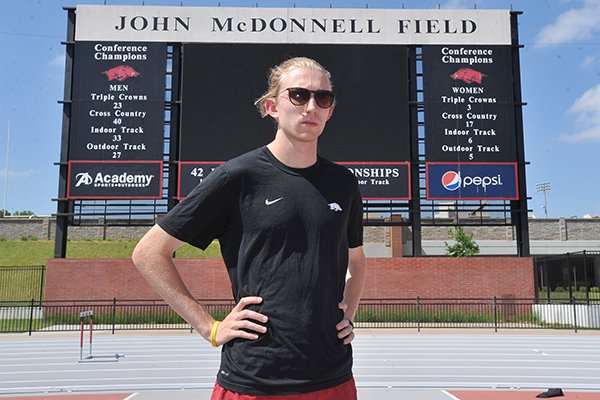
(290, 227)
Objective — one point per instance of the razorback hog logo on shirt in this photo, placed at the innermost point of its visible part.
(121, 73)
(334, 207)
(468, 75)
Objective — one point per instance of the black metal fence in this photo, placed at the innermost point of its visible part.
(568, 275)
(22, 283)
(416, 313)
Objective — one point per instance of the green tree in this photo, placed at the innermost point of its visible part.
(24, 212)
(4, 212)
(464, 245)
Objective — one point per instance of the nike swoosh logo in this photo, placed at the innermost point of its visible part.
(269, 202)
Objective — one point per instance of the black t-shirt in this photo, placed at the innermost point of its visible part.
(284, 236)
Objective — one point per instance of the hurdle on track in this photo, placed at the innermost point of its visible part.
(90, 357)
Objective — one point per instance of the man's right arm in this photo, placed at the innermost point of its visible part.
(153, 258)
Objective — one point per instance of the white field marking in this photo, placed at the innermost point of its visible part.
(11, 347)
(131, 396)
(522, 353)
(196, 340)
(156, 378)
(109, 344)
(471, 360)
(476, 345)
(368, 368)
(461, 367)
(540, 352)
(143, 386)
(202, 357)
(87, 371)
(483, 338)
(209, 362)
(209, 386)
(356, 362)
(357, 365)
(363, 337)
(495, 377)
(450, 395)
(105, 348)
(471, 385)
(192, 358)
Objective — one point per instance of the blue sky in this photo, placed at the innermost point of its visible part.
(560, 72)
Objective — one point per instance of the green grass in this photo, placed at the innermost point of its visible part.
(20, 284)
(36, 252)
(564, 295)
(22, 325)
(370, 315)
(68, 317)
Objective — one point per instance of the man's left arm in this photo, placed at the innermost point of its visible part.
(355, 281)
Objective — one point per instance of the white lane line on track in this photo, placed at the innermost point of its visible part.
(493, 378)
(66, 381)
(356, 367)
(450, 395)
(131, 396)
(357, 363)
(87, 371)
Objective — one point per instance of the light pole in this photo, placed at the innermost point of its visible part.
(543, 187)
(6, 171)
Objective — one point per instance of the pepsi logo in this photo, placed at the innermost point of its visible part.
(451, 180)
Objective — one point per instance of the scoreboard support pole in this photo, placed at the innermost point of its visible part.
(64, 207)
(414, 204)
(174, 126)
(519, 215)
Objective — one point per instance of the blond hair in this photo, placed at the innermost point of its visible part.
(276, 75)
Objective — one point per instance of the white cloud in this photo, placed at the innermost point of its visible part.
(573, 25)
(58, 61)
(587, 109)
(454, 4)
(14, 174)
(590, 61)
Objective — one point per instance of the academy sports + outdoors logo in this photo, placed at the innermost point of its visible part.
(135, 179)
(113, 180)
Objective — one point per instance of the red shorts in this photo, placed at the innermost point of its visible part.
(345, 391)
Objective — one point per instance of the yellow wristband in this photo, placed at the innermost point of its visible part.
(213, 334)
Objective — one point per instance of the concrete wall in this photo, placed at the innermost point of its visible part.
(103, 279)
(539, 229)
(45, 229)
(547, 236)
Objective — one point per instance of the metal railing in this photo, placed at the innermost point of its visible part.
(22, 283)
(417, 313)
(568, 275)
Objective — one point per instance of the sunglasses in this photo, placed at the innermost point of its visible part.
(301, 96)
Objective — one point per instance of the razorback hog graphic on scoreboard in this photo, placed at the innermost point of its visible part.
(468, 75)
(121, 73)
